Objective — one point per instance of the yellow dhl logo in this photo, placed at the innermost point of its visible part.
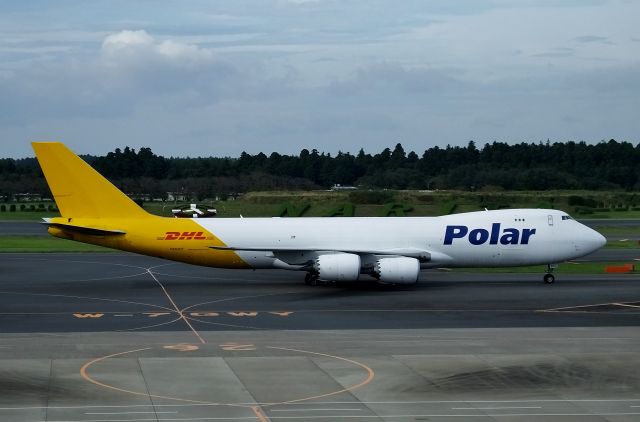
(184, 236)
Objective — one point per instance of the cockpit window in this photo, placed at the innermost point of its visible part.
(566, 217)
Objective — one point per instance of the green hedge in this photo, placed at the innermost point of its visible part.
(395, 209)
(584, 210)
(377, 197)
(292, 210)
(344, 210)
(449, 208)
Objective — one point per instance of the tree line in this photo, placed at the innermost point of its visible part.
(495, 166)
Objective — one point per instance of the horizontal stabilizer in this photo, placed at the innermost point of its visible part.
(84, 229)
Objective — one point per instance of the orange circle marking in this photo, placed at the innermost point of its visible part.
(370, 375)
(257, 409)
(85, 375)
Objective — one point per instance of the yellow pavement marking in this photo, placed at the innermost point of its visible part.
(184, 318)
(182, 347)
(259, 414)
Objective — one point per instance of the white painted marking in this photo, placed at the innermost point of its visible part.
(88, 297)
(417, 402)
(124, 413)
(252, 418)
(463, 401)
(123, 315)
(316, 410)
(426, 415)
(627, 305)
(496, 408)
(600, 338)
(307, 417)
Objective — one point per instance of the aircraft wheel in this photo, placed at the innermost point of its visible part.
(311, 279)
(549, 278)
(308, 278)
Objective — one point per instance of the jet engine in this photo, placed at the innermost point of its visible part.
(338, 267)
(397, 270)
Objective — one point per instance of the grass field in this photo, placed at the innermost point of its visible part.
(45, 244)
(565, 268)
(27, 215)
(612, 205)
(619, 244)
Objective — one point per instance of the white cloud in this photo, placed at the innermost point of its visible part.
(125, 40)
(134, 46)
(299, 1)
(129, 70)
(218, 77)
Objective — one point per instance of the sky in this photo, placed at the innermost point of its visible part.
(215, 78)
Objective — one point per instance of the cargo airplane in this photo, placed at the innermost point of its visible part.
(391, 250)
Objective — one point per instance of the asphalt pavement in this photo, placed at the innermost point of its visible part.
(120, 337)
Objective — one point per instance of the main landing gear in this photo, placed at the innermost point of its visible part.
(549, 278)
(311, 279)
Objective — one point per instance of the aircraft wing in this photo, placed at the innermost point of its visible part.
(421, 254)
(292, 258)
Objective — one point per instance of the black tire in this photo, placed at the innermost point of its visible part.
(549, 278)
(308, 279)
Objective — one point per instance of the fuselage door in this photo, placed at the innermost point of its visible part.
(550, 220)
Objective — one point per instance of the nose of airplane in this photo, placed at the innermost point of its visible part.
(595, 240)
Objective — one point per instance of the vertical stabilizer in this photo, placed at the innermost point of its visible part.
(79, 190)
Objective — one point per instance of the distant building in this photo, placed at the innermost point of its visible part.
(144, 197)
(27, 197)
(228, 197)
(338, 186)
(178, 197)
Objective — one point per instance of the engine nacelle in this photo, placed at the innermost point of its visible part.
(338, 267)
(397, 270)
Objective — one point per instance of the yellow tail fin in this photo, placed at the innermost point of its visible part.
(79, 190)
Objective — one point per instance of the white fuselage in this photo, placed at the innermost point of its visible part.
(513, 237)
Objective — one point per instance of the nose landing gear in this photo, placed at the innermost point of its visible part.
(549, 278)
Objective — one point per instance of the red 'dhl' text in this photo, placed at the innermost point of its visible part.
(184, 236)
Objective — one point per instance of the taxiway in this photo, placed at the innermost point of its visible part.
(120, 337)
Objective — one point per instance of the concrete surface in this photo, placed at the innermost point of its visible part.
(93, 337)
